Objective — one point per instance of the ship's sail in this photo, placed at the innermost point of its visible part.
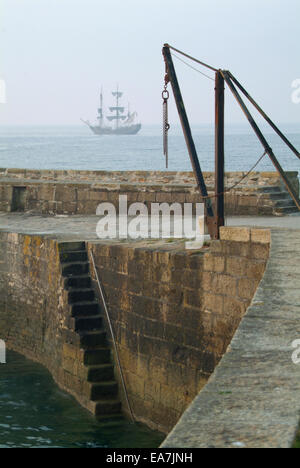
(117, 109)
(116, 117)
(117, 94)
(130, 118)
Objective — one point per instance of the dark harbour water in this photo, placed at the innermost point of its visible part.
(35, 413)
(75, 147)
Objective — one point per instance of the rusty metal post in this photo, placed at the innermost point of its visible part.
(219, 152)
(210, 219)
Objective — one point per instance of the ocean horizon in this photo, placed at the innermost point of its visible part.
(66, 147)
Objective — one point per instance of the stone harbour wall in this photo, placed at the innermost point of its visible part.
(144, 177)
(174, 313)
(31, 297)
(35, 312)
(80, 192)
(252, 398)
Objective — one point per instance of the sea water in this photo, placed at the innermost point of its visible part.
(78, 148)
(35, 413)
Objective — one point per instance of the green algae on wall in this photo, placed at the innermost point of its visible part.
(297, 441)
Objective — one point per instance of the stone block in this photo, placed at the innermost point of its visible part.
(234, 308)
(256, 269)
(261, 236)
(218, 264)
(224, 284)
(208, 262)
(236, 266)
(235, 234)
(70, 351)
(246, 288)
(193, 298)
(213, 303)
(260, 251)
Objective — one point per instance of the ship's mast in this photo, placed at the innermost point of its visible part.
(117, 106)
(100, 110)
(117, 109)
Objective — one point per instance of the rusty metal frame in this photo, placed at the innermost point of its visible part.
(215, 218)
(172, 77)
(219, 151)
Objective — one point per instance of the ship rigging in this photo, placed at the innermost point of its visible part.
(123, 124)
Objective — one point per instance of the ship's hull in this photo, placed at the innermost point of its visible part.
(126, 130)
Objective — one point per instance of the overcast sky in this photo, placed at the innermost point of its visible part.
(56, 54)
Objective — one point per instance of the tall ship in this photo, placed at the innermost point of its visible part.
(123, 123)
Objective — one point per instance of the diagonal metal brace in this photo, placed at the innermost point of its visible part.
(227, 77)
(257, 107)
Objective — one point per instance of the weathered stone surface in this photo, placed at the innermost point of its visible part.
(235, 234)
(174, 315)
(252, 398)
(80, 192)
(262, 236)
(173, 311)
(36, 310)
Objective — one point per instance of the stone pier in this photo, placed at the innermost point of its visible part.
(80, 192)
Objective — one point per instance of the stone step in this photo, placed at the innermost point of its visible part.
(71, 246)
(98, 391)
(105, 407)
(102, 373)
(93, 339)
(88, 323)
(268, 189)
(97, 356)
(78, 282)
(85, 309)
(288, 203)
(280, 203)
(86, 330)
(285, 210)
(71, 257)
(75, 269)
(277, 196)
(81, 295)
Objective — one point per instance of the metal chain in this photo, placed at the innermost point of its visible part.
(166, 125)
